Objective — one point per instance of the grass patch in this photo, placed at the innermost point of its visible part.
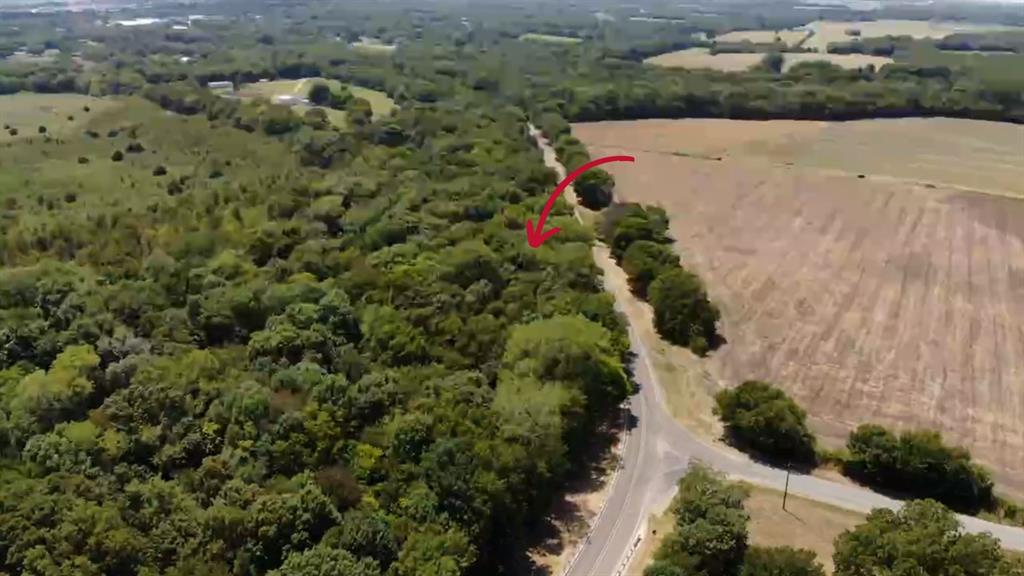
(803, 524)
(61, 114)
(373, 46)
(76, 176)
(549, 38)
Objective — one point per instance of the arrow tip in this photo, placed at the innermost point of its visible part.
(535, 236)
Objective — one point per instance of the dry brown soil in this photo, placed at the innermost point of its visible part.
(896, 297)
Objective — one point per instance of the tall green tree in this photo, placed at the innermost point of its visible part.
(763, 418)
(922, 538)
(683, 314)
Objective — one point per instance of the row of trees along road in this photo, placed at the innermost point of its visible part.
(709, 537)
(761, 418)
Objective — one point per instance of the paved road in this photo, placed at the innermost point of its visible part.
(658, 451)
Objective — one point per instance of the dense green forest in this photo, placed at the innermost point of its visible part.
(366, 361)
(239, 340)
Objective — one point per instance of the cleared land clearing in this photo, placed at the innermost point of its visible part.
(878, 299)
(826, 31)
(694, 58)
(789, 37)
(59, 113)
(551, 38)
(381, 104)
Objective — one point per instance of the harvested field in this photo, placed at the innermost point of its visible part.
(826, 31)
(789, 37)
(894, 297)
(703, 58)
(737, 62)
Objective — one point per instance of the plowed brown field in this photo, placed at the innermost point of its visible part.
(896, 297)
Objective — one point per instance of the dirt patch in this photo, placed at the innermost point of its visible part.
(874, 299)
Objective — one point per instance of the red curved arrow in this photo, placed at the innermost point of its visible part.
(536, 236)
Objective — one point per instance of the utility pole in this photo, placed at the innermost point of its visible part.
(785, 494)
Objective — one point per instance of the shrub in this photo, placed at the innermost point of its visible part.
(42, 129)
(919, 464)
(320, 94)
(113, 133)
(83, 160)
(773, 62)
(594, 188)
(764, 419)
(633, 228)
(13, 131)
(160, 171)
(135, 148)
(683, 314)
(117, 156)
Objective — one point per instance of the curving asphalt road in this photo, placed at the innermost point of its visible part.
(658, 450)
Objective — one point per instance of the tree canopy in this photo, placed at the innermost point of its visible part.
(764, 419)
(922, 538)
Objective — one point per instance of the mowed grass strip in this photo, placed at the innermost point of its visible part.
(549, 38)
